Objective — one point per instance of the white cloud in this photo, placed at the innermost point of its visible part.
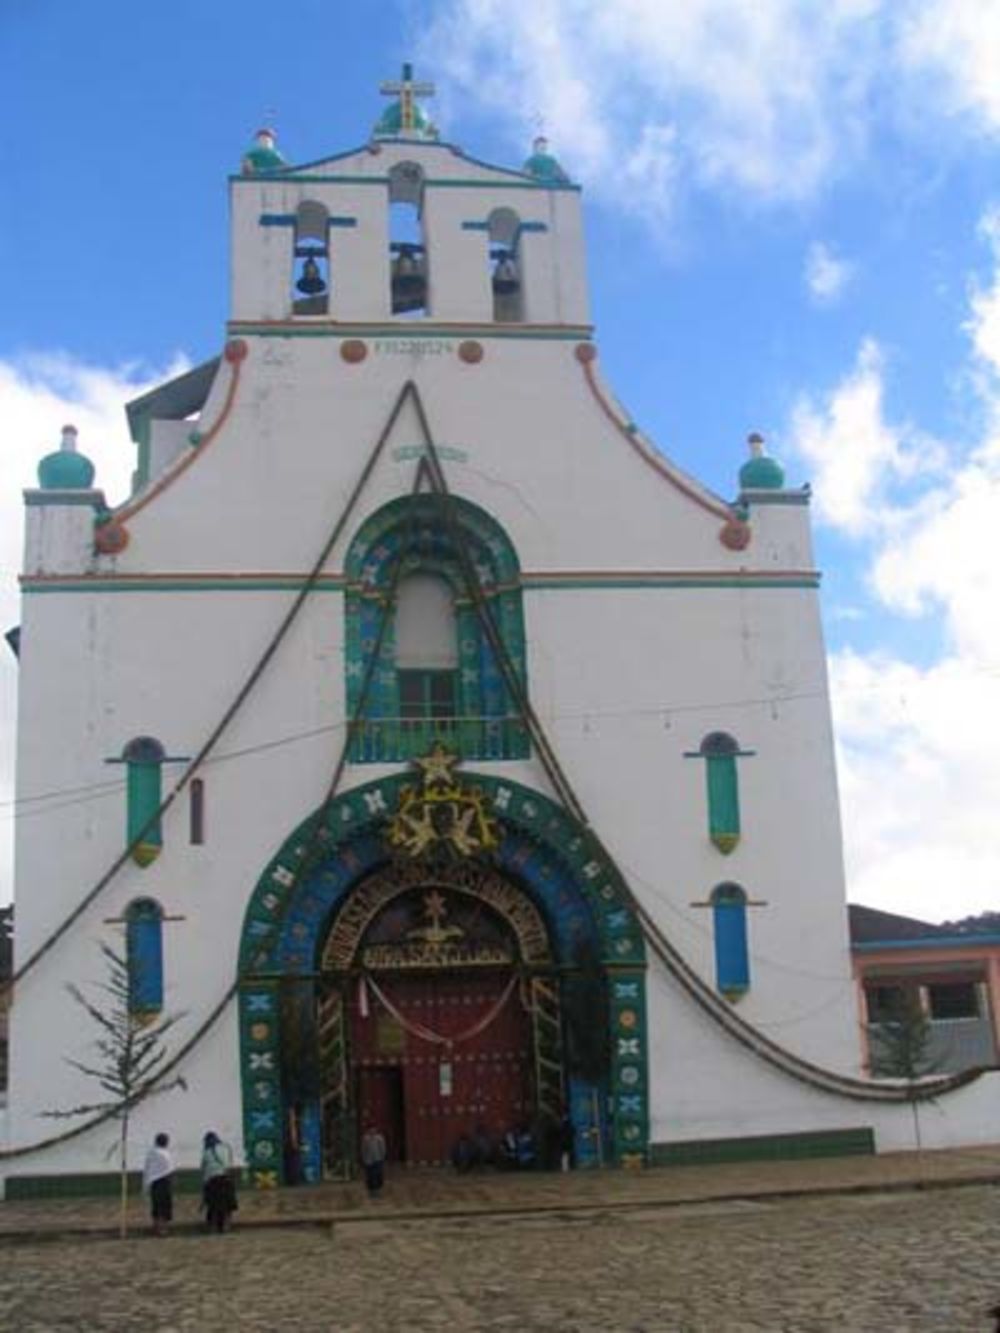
(762, 102)
(826, 275)
(854, 452)
(729, 94)
(984, 324)
(955, 44)
(39, 394)
(919, 763)
(919, 771)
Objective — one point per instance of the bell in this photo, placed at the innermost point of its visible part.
(505, 279)
(409, 281)
(311, 283)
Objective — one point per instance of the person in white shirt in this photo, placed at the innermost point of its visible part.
(157, 1181)
(218, 1189)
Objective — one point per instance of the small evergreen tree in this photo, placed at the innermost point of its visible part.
(902, 1048)
(130, 1057)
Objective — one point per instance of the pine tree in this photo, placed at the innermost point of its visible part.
(902, 1049)
(129, 1061)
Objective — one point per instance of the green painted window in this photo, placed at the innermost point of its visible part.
(722, 789)
(143, 758)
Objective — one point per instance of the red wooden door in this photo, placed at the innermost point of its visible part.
(481, 1080)
(380, 1103)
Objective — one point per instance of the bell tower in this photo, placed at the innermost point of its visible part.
(406, 227)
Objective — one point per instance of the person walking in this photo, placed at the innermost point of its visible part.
(217, 1188)
(157, 1182)
(373, 1159)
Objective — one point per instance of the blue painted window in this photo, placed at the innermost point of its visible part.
(732, 960)
(144, 955)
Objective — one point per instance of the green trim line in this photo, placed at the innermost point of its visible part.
(93, 498)
(409, 331)
(858, 1142)
(87, 1185)
(755, 497)
(549, 583)
(441, 182)
(35, 584)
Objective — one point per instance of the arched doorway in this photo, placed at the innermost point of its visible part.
(444, 984)
(547, 900)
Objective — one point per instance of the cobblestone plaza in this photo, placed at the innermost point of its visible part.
(875, 1262)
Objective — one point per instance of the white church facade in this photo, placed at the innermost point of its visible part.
(453, 760)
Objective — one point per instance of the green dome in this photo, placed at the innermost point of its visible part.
(543, 166)
(762, 473)
(390, 124)
(66, 470)
(262, 155)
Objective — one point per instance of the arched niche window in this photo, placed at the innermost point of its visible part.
(504, 231)
(426, 648)
(311, 262)
(408, 268)
(437, 676)
(144, 956)
(720, 752)
(143, 758)
(729, 922)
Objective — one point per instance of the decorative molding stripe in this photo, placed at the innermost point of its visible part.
(294, 328)
(234, 356)
(742, 578)
(521, 227)
(36, 497)
(802, 496)
(985, 941)
(290, 219)
(373, 147)
(530, 582)
(630, 431)
(441, 182)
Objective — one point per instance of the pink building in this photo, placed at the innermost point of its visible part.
(955, 977)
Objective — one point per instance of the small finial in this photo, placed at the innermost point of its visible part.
(756, 442)
(262, 154)
(68, 442)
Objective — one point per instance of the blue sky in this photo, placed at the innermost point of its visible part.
(793, 227)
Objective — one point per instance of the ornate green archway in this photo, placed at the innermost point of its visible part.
(541, 848)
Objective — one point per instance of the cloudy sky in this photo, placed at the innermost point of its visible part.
(793, 227)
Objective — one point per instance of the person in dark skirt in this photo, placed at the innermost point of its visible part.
(157, 1181)
(217, 1188)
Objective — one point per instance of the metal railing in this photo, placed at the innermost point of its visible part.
(393, 738)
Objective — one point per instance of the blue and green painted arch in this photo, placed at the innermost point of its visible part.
(543, 850)
(408, 536)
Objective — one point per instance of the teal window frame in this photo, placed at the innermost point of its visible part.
(413, 536)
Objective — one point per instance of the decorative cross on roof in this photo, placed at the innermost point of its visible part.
(406, 90)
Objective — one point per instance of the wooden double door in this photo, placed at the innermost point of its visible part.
(451, 1053)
